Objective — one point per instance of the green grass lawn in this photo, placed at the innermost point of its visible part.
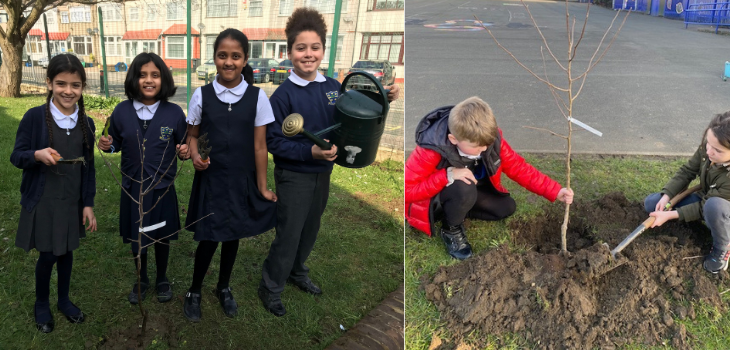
(357, 261)
(593, 177)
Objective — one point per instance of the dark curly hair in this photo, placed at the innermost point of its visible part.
(305, 19)
(131, 83)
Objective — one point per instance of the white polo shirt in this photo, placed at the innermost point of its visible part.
(64, 121)
(264, 113)
(144, 111)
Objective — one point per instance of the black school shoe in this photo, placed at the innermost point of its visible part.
(165, 296)
(191, 307)
(44, 327)
(454, 238)
(307, 286)
(78, 318)
(271, 302)
(230, 308)
(132, 297)
(716, 261)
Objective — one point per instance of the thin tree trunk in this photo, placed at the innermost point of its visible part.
(11, 71)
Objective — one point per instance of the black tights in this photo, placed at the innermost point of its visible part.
(162, 256)
(203, 256)
(43, 271)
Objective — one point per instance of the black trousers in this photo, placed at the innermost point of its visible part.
(302, 199)
(481, 201)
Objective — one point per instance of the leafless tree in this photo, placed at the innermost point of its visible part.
(565, 96)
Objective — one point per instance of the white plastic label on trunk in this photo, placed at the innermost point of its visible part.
(153, 227)
(584, 126)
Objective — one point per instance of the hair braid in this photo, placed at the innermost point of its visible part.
(49, 118)
(84, 121)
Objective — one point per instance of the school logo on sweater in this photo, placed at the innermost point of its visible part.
(332, 96)
(165, 133)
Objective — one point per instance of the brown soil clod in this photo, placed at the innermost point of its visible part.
(585, 299)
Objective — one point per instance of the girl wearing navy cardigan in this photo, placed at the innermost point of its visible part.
(57, 198)
(148, 116)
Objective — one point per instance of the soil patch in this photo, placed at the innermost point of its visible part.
(586, 299)
(159, 329)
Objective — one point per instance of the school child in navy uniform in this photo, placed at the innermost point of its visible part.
(147, 115)
(231, 183)
(57, 199)
(302, 172)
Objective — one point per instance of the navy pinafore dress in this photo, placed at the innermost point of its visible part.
(228, 188)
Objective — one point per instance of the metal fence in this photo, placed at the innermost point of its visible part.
(183, 33)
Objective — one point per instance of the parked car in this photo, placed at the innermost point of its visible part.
(263, 69)
(206, 68)
(283, 71)
(382, 70)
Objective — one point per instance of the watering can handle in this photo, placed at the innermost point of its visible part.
(383, 92)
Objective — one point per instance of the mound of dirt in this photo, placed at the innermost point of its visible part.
(160, 332)
(586, 299)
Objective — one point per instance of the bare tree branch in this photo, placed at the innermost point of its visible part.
(544, 40)
(546, 130)
(516, 60)
(556, 96)
(585, 21)
(601, 43)
(172, 161)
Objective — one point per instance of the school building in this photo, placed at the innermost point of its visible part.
(369, 29)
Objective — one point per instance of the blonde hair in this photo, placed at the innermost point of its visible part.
(472, 120)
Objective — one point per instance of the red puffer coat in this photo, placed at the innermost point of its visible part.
(425, 169)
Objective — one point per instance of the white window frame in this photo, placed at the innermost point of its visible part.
(134, 14)
(64, 14)
(388, 5)
(221, 8)
(3, 18)
(326, 6)
(209, 43)
(51, 17)
(250, 49)
(34, 44)
(380, 43)
(113, 45)
(111, 12)
(148, 42)
(151, 12)
(328, 47)
(179, 10)
(58, 46)
(285, 7)
(86, 42)
(256, 6)
(167, 47)
(80, 14)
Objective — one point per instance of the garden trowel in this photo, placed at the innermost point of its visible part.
(650, 221)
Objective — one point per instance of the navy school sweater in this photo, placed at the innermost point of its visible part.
(32, 135)
(316, 103)
(168, 124)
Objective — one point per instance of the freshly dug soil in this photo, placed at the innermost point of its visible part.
(159, 329)
(586, 299)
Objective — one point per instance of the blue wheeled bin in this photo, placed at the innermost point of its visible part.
(727, 71)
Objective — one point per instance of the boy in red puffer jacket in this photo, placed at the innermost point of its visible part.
(456, 169)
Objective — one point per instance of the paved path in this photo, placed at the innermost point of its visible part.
(654, 92)
(381, 329)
